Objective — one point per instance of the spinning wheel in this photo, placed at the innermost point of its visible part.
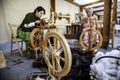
(98, 41)
(57, 54)
(36, 38)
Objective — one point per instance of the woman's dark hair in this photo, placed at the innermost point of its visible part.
(39, 8)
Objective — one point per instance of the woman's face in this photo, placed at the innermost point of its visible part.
(89, 13)
(39, 14)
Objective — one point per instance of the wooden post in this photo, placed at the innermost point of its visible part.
(106, 22)
(114, 14)
(52, 12)
(114, 17)
(52, 4)
(81, 10)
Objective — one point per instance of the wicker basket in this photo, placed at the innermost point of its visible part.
(2, 60)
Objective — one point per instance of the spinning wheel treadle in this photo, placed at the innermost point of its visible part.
(36, 38)
(57, 54)
(81, 41)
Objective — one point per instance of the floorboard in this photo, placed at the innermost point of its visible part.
(19, 67)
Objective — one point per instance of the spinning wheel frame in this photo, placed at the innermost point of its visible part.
(86, 47)
(53, 57)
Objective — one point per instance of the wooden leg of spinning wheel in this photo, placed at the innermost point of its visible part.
(36, 54)
(59, 78)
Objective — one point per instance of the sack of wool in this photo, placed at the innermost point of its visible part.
(111, 72)
(118, 75)
(98, 55)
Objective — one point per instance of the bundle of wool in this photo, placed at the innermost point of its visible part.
(106, 67)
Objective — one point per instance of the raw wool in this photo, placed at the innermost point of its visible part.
(2, 60)
(118, 73)
(80, 65)
(106, 68)
(113, 53)
(40, 62)
(98, 55)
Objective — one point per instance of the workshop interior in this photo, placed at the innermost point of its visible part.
(60, 40)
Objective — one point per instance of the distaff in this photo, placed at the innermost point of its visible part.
(90, 35)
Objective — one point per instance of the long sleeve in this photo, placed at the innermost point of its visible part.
(28, 19)
(23, 32)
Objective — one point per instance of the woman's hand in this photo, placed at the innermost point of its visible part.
(37, 21)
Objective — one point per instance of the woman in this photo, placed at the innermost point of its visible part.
(28, 24)
(89, 22)
(90, 18)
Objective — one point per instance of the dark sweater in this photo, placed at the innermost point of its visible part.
(24, 33)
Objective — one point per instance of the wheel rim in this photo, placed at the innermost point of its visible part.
(99, 44)
(36, 38)
(57, 54)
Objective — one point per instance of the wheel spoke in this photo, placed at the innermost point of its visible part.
(34, 40)
(58, 64)
(34, 36)
(63, 59)
(48, 59)
(36, 43)
(50, 44)
(53, 62)
(58, 48)
(59, 51)
(47, 50)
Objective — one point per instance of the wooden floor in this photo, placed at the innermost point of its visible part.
(18, 68)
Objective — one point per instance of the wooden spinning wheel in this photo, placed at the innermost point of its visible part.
(57, 54)
(98, 40)
(36, 38)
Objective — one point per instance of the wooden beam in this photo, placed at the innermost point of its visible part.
(106, 22)
(81, 8)
(98, 6)
(99, 10)
(93, 3)
(52, 4)
(72, 2)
